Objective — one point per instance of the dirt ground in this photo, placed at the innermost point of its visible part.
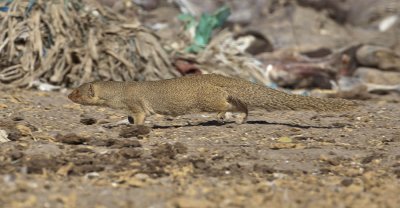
(66, 155)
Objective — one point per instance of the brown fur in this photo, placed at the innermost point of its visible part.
(193, 94)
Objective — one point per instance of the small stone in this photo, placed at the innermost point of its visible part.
(334, 161)
(71, 139)
(130, 153)
(18, 118)
(126, 143)
(396, 171)
(186, 202)
(368, 159)
(134, 131)
(347, 182)
(14, 135)
(102, 142)
(135, 182)
(15, 155)
(84, 150)
(277, 146)
(65, 169)
(91, 175)
(24, 130)
(3, 106)
(88, 121)
(200, 163)
(295, 129)
(263, 168)
(142, 176)
(325, 171)
(217, 157)
(164, 151)
(354, 188)
(180, 148)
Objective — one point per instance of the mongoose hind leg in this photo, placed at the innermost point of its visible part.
(235, 106)
(224, 116)
(214, 99)
(245, 111)
(239, 106)
(221, 102)
(222, 108)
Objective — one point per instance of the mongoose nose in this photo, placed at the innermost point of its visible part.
(69, 96)
(72, 95)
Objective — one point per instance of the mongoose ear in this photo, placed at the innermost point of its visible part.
(91, 90)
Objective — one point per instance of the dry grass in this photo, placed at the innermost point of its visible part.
(71, 42)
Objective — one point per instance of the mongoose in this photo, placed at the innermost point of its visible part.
(194, 94)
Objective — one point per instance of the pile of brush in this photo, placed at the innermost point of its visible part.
(67, 43)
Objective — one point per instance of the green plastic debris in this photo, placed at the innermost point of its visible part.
(204, 27)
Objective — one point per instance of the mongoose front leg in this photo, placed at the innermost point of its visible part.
(138, 118)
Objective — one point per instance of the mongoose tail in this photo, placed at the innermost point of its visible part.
(271, 99)
(255, 95)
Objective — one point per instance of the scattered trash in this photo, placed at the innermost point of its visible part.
(225, 55)
(388, 22)
(45, 86)
(3, 136)
(204, 27)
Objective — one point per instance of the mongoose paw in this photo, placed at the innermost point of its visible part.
(242, 120)
(222, 117)
(131, 120)
(220, 121)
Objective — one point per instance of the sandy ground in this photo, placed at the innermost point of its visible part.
(66, 155)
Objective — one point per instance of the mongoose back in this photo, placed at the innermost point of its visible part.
(194, 94)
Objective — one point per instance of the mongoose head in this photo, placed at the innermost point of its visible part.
(86, 94)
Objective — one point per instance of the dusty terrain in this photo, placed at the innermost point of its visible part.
(65, 155)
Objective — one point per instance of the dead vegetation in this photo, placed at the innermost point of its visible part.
(71, 42)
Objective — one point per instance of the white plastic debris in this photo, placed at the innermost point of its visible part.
(44, 86)
(388, 22)
(3, 136)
